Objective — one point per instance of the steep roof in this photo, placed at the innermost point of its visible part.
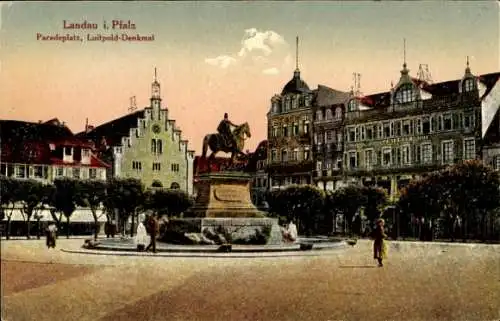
(114, 130)
(295, 85)
(28, 131)
(326, 96)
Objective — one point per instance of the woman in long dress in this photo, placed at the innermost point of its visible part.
(141, 238)
(379, 244)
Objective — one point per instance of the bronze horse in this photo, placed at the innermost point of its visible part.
(217, 144)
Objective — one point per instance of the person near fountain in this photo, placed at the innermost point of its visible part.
(51, 232)
(379, 244)
(142, 235)
(291, 234)
(152, 228)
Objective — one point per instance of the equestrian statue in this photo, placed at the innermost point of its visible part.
(227, 140)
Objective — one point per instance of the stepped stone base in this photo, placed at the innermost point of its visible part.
(224, 213)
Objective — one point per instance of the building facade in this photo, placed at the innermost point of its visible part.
(146, 145)
(47, 151)
(416, 127)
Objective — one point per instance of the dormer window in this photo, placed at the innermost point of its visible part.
(468, 85)
(405, 94)
(338, 113)
(352, 106)
(68, 151)
(308, 100)
(85, 153)
(328, 114)
(319, 115)
(275, 106)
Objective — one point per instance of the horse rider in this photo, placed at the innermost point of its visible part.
(226, 132)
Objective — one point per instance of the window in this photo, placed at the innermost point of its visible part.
(469, 85)
(308, 99)
(175, 185)
(398, 128)
(405, 155)
(406, 127)
(440, 122)
(447, 122)
(156, 166)
(363, 132)
(469, 148)
(418, 129)
(468, 121)
(369, 132)
(76, 172)
(426, 153)
(319, 165)
(284, 155)
(273, 155)
(38, 171)
(306, 154)
(426, 128)
(329, 135)
(285, 131)
(174, 167)
(328, 115)
(306, 127)
(137, 165)
(379, 131)
(386, 156)
(352, 134)
(275, 106)
(315, 138)
(387, 130)
(328, 164)
(338, 113)
(448, 154)
(21, 171)
(85, 152)
(405, 94)
(295, 128)
(295, 154)
(153, 146)
(352, 106)
(496, 163)
(275, 132)
(159, 147)
(353, 162)
(319, 115)
(60, 171)
(93, 173)
(68, 151)
(369, 158)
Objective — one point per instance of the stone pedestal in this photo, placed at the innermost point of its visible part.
(224, 194)
(224, 213)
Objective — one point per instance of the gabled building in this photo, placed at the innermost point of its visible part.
(290, 130)
(416, 127)
(146, 145)
(46, 151)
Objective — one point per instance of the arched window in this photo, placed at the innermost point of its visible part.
(157, 183)
(328, 115)
(153, 146)
(175, 185)
(338, 113)
(159, 147)
(319, 115)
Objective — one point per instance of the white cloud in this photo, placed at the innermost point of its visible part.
(261, 47)
(271, 71)
(264, 41)
(222, 61)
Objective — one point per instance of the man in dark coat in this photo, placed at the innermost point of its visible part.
(152, 227)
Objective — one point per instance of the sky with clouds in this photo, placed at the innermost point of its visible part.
(215, 57)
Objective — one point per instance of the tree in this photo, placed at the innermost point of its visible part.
(376, 199)
(125, 196)
(32, 195)
(9, 196)
(92, 194)
(301, 203)
(63, 199)
(171, 202)
(348, 200)
(473, 192)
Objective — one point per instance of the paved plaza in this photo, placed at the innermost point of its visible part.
(421, 281)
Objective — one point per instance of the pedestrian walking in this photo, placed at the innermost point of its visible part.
(152, 227)
(51, 233)
(379, 243)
